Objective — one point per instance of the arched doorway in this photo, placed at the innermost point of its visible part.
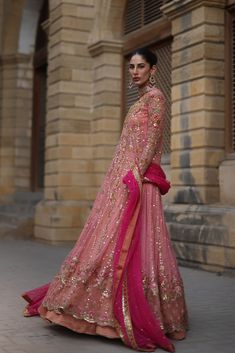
(39, 101)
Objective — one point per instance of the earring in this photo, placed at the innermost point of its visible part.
(131, 83)
(152, 80)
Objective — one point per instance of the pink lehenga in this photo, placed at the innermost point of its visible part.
(121, 278)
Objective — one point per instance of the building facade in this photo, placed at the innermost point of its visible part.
(64, 95)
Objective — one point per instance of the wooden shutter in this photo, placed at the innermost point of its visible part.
(140, 13)
(152, 10)
(233, 84)
(163, 83)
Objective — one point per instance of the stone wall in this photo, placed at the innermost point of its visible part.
(70, 184)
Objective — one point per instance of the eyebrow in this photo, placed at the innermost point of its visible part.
(137, 63)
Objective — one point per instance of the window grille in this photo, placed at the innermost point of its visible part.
(140, 13)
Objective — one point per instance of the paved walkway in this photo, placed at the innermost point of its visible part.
(25, 264)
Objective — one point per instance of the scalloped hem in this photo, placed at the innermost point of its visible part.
(79, 326)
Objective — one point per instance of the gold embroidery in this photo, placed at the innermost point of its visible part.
(127, 317)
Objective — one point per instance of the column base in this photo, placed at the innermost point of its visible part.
(203, 236)
(60, 221)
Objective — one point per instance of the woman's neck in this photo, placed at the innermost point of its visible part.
(144, 89)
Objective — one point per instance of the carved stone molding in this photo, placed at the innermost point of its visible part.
(176, 8)
(105, 46)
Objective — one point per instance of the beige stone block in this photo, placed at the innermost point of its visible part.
(61, 100)
(203, 68)
(76, 193)
(82, 75)
(70, 36)
(78, 24)
(54, 4)
(113, 72)
(194, 176)
(69, 48)
(83, 101)
(86, 179)
(214, 33)
(194, 194)
(81, 165)
(199, 157)
(108, 58)
(22, 162)
(112, 98)
(51, 141)
(196, 17)
(58, 152)
(75, 113)
(7, 151)
(198, 138)
(68, 9)
(55, 236)
(23, 174)
(80, 2)
(22, 183)
(60, 74)
(101, 165)
(70, 61)
(103, 151)
(205, 85)
(74, 139)
(196, 103)
(22, 152)
(195, 120)
(108, 112)
(51, 180)
(51, 167)
(67, 126)
(75, 87)
(82, 152)
(6, 188)
(105, 84)
(53, 217)
(105, 125)
(7, 164)
(104, 138)
(50, 193)
(226, 182)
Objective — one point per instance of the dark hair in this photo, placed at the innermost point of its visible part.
(147, 54)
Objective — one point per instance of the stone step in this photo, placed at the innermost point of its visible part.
(14, 218)
(201, 234)
(6, 228)
(17, 213)
(198, 214)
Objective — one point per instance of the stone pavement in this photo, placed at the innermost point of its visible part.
(25, 264)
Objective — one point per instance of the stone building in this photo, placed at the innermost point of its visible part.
(63, 97)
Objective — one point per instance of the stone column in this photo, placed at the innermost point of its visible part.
(197, 98)
(69, 183)
(16, 108)
(106, 102)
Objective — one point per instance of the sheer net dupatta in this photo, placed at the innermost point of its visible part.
(34, 298)
(135, 321)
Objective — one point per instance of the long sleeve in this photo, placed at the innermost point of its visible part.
(156, 109)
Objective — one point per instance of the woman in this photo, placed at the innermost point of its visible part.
(121, 278)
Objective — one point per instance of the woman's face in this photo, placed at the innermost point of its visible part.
(140, 70)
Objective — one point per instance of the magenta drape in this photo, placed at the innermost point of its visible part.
(142, 331)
